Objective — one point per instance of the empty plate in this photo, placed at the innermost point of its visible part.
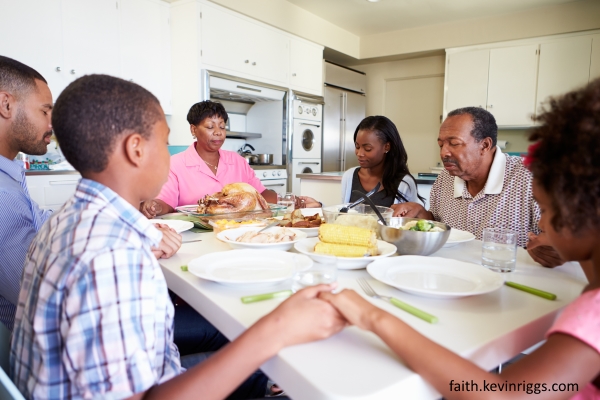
(457, 236)
(245, 267)
(178, 225)
(438, 277)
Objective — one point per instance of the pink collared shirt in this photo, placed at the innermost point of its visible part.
(190, 179)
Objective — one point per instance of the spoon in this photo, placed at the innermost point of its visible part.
(268, 226)
(357, 202)
(373, 206)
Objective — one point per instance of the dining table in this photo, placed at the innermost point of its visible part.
(487, 329)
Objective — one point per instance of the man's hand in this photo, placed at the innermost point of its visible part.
(170, 243)
(542, 252)
(411, 210)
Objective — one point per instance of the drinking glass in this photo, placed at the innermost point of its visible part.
(288, 200)
(499, 249)
(321, 272)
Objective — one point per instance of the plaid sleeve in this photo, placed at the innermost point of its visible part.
(434, 199)
(110, 313)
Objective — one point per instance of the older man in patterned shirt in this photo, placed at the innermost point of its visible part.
(481, 187)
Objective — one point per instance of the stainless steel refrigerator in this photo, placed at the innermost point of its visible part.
(345, 105)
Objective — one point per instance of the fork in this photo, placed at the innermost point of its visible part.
(400, 304)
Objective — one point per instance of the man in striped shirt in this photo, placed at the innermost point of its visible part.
(25, 126)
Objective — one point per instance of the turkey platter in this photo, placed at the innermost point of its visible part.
(234, 197)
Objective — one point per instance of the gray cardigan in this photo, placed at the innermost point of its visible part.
(407, 187)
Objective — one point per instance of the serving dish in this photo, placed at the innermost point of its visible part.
(437, 277)
(230, 235)
(414, 242)
(457, 236)
(307, 247)
(248, 267)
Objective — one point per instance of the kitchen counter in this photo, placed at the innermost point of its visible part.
(268, 166)
(44, 172)
(337, 177)
(326, 187)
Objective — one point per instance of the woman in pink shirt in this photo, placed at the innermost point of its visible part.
(566, 185)
(203, 168)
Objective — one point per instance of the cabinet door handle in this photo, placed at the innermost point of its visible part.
(57, 69)
(72, 72)
(63, 182)
(308, 163)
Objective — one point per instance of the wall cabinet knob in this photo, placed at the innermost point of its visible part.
(491, 106)
(57, 69)
(247, 61)
(254, 63)
(72, 72)
(294, 74)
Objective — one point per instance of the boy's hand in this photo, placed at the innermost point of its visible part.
(170, 243)
(304, 318)
(150, 208)
(353, 307)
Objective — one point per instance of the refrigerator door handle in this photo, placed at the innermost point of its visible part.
(342, 131)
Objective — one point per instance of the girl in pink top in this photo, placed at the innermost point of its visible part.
(565, 162)
(203, 168)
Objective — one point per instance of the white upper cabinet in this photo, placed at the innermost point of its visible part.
(564, 66)
(306, 67)
(35, 38)
(248, 49)
(144, 26)
(595, 62)
(467, 80)
(91, 37)
(511, 85)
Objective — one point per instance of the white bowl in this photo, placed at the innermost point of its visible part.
(230, 235)
(307, 247)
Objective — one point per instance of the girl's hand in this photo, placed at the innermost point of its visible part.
(307, 202)
(303, 318)
(151, 208)
(353, 307)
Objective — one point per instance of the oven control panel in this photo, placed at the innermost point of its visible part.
(269, 174)
(308, 111)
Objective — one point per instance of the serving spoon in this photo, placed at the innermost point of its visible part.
(357, 202)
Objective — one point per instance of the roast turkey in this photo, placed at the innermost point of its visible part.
(234, 197)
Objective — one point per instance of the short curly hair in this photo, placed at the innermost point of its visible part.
(206, 109)
(484, 123)
(93, 111)
(565, 160)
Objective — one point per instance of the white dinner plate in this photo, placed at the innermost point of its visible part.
(437, 277)
(228, 236)
(308, 247)
(178, 225)
(457, 236)
(245, 267)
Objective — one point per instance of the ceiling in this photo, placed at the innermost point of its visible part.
(363, 18)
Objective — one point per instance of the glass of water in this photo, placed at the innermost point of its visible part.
(499, 249)
(321, 272)
(288, 200)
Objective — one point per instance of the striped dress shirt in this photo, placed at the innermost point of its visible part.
(20, 219)
(94, 319)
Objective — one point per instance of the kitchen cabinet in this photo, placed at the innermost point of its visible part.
(467, 79)
(66, 39)
(250, 50)
(35, 38)
(512, 84)
(595, 61)
(306, 67)
(144, 41)
(564, 66)
(51, 190)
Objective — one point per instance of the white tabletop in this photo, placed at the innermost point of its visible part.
(487, 329)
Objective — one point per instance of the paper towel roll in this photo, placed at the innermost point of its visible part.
(501, 143)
